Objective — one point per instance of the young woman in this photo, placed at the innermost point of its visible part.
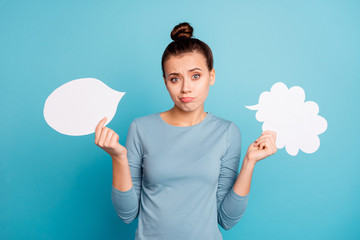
(179, 170)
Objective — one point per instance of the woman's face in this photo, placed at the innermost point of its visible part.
(187, 76)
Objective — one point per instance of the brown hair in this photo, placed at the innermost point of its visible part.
(183, 42)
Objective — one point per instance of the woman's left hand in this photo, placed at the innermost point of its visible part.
(262, 147)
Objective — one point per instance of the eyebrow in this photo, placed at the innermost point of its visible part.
(188, 71)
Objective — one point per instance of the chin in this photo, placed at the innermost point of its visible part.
(187, 109)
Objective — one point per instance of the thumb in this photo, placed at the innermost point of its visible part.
(252, 146)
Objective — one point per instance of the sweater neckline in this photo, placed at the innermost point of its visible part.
(185, 127)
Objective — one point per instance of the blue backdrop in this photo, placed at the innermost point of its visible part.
(55, 186)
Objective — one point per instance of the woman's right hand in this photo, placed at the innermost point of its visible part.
(108, 140)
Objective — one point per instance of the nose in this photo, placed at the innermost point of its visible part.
(185, 86)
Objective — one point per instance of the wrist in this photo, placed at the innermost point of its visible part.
(117, 160)
(248, 162)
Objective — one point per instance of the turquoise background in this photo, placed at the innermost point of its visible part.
(55, 186)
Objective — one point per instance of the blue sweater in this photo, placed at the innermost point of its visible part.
(183, 179)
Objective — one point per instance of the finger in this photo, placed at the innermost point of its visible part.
(265, 143)
(103, 136)
(268, 131)
(252, 147)
(259, 142)
(108, 137)
(274, 147)
(273, 142)
(272, 133)
(262, 145)
(256, 143)
(114, 139)
(98, 129)
(271, 146)
(261, 137)
(270, 136)
(267, 146)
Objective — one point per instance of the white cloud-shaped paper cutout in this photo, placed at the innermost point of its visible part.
(76, 107)
(296, 122)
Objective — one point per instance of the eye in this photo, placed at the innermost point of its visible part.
(171, 79)
(198, 76)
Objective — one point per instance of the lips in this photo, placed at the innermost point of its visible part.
(186, 99)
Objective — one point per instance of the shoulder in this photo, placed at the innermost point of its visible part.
(144, 121)
(220, 121)
(146, 118)
(229, 127)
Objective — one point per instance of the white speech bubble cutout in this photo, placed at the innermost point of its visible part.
(296, 122)
(76, 107)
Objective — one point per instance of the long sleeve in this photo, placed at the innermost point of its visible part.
(230, 205)
(126, 203)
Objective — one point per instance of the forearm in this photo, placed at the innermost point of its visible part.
(121, 174)
(235, 202)
(124, 198)
(243, 181)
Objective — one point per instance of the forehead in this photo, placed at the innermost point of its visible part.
(185, 62)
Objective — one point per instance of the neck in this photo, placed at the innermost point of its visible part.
(185, 119)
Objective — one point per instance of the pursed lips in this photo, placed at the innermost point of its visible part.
(186, 99)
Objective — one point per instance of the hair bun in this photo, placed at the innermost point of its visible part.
(182, 31)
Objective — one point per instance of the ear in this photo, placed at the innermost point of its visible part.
(212, 76)
(164, 79)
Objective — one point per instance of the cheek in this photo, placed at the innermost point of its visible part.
(173, 92)
(203, 88)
